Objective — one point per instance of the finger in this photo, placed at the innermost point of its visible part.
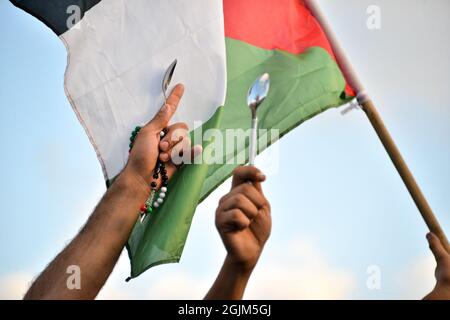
(250, 191)
(436, 247)
(181, 152)
(176, 153)
(232, 220)
(162, 118)
(175, 133)
(172, 166)
(247, 173)
(242, 203)
(164, 157)
(261, 227)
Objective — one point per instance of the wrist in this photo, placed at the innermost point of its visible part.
(132, 181)
(231, 281)
(237, 267)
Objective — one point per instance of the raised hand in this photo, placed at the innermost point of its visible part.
(244, 223)
(243, 217)
(442, 273)
(149, 145)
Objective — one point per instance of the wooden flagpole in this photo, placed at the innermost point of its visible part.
(381, 130)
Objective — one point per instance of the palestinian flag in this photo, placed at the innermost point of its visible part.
(118, 52)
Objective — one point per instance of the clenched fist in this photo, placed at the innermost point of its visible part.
(243, 218)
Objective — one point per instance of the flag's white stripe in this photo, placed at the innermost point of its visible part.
(118, 53)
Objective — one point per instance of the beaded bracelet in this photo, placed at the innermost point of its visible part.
(150, 205)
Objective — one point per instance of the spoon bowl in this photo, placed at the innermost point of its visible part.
(255, 97)
(258, 92)
(168, 78)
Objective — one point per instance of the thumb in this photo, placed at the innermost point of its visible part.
(162, 118)
(436, 247)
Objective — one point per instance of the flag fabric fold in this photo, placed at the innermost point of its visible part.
(118, 52)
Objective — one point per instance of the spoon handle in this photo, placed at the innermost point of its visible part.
(253, 142)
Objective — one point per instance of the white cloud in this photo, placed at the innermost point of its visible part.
(296, 271)
(299, 271)
(180, 285)
(289, 269)
(114, 293)
(14, 286)
(417, 279)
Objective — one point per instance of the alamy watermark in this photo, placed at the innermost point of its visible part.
(226, 147)
(74, 17)
(373, 281)
(374, 19)
(73, 281)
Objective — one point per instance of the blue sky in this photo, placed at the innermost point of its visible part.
(338, 204)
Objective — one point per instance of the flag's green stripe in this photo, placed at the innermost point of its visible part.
(301, 87)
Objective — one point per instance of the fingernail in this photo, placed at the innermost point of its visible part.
(164, 108)
(261, 177)
(164, 157)
(198, 149)
(164, 145)
(429, 236)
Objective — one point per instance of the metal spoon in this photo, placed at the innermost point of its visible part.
(256, 95)
(167, 78)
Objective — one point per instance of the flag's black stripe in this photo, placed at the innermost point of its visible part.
(54, 12)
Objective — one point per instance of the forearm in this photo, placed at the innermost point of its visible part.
(97, 247)
(439, 293)
(230, 283)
